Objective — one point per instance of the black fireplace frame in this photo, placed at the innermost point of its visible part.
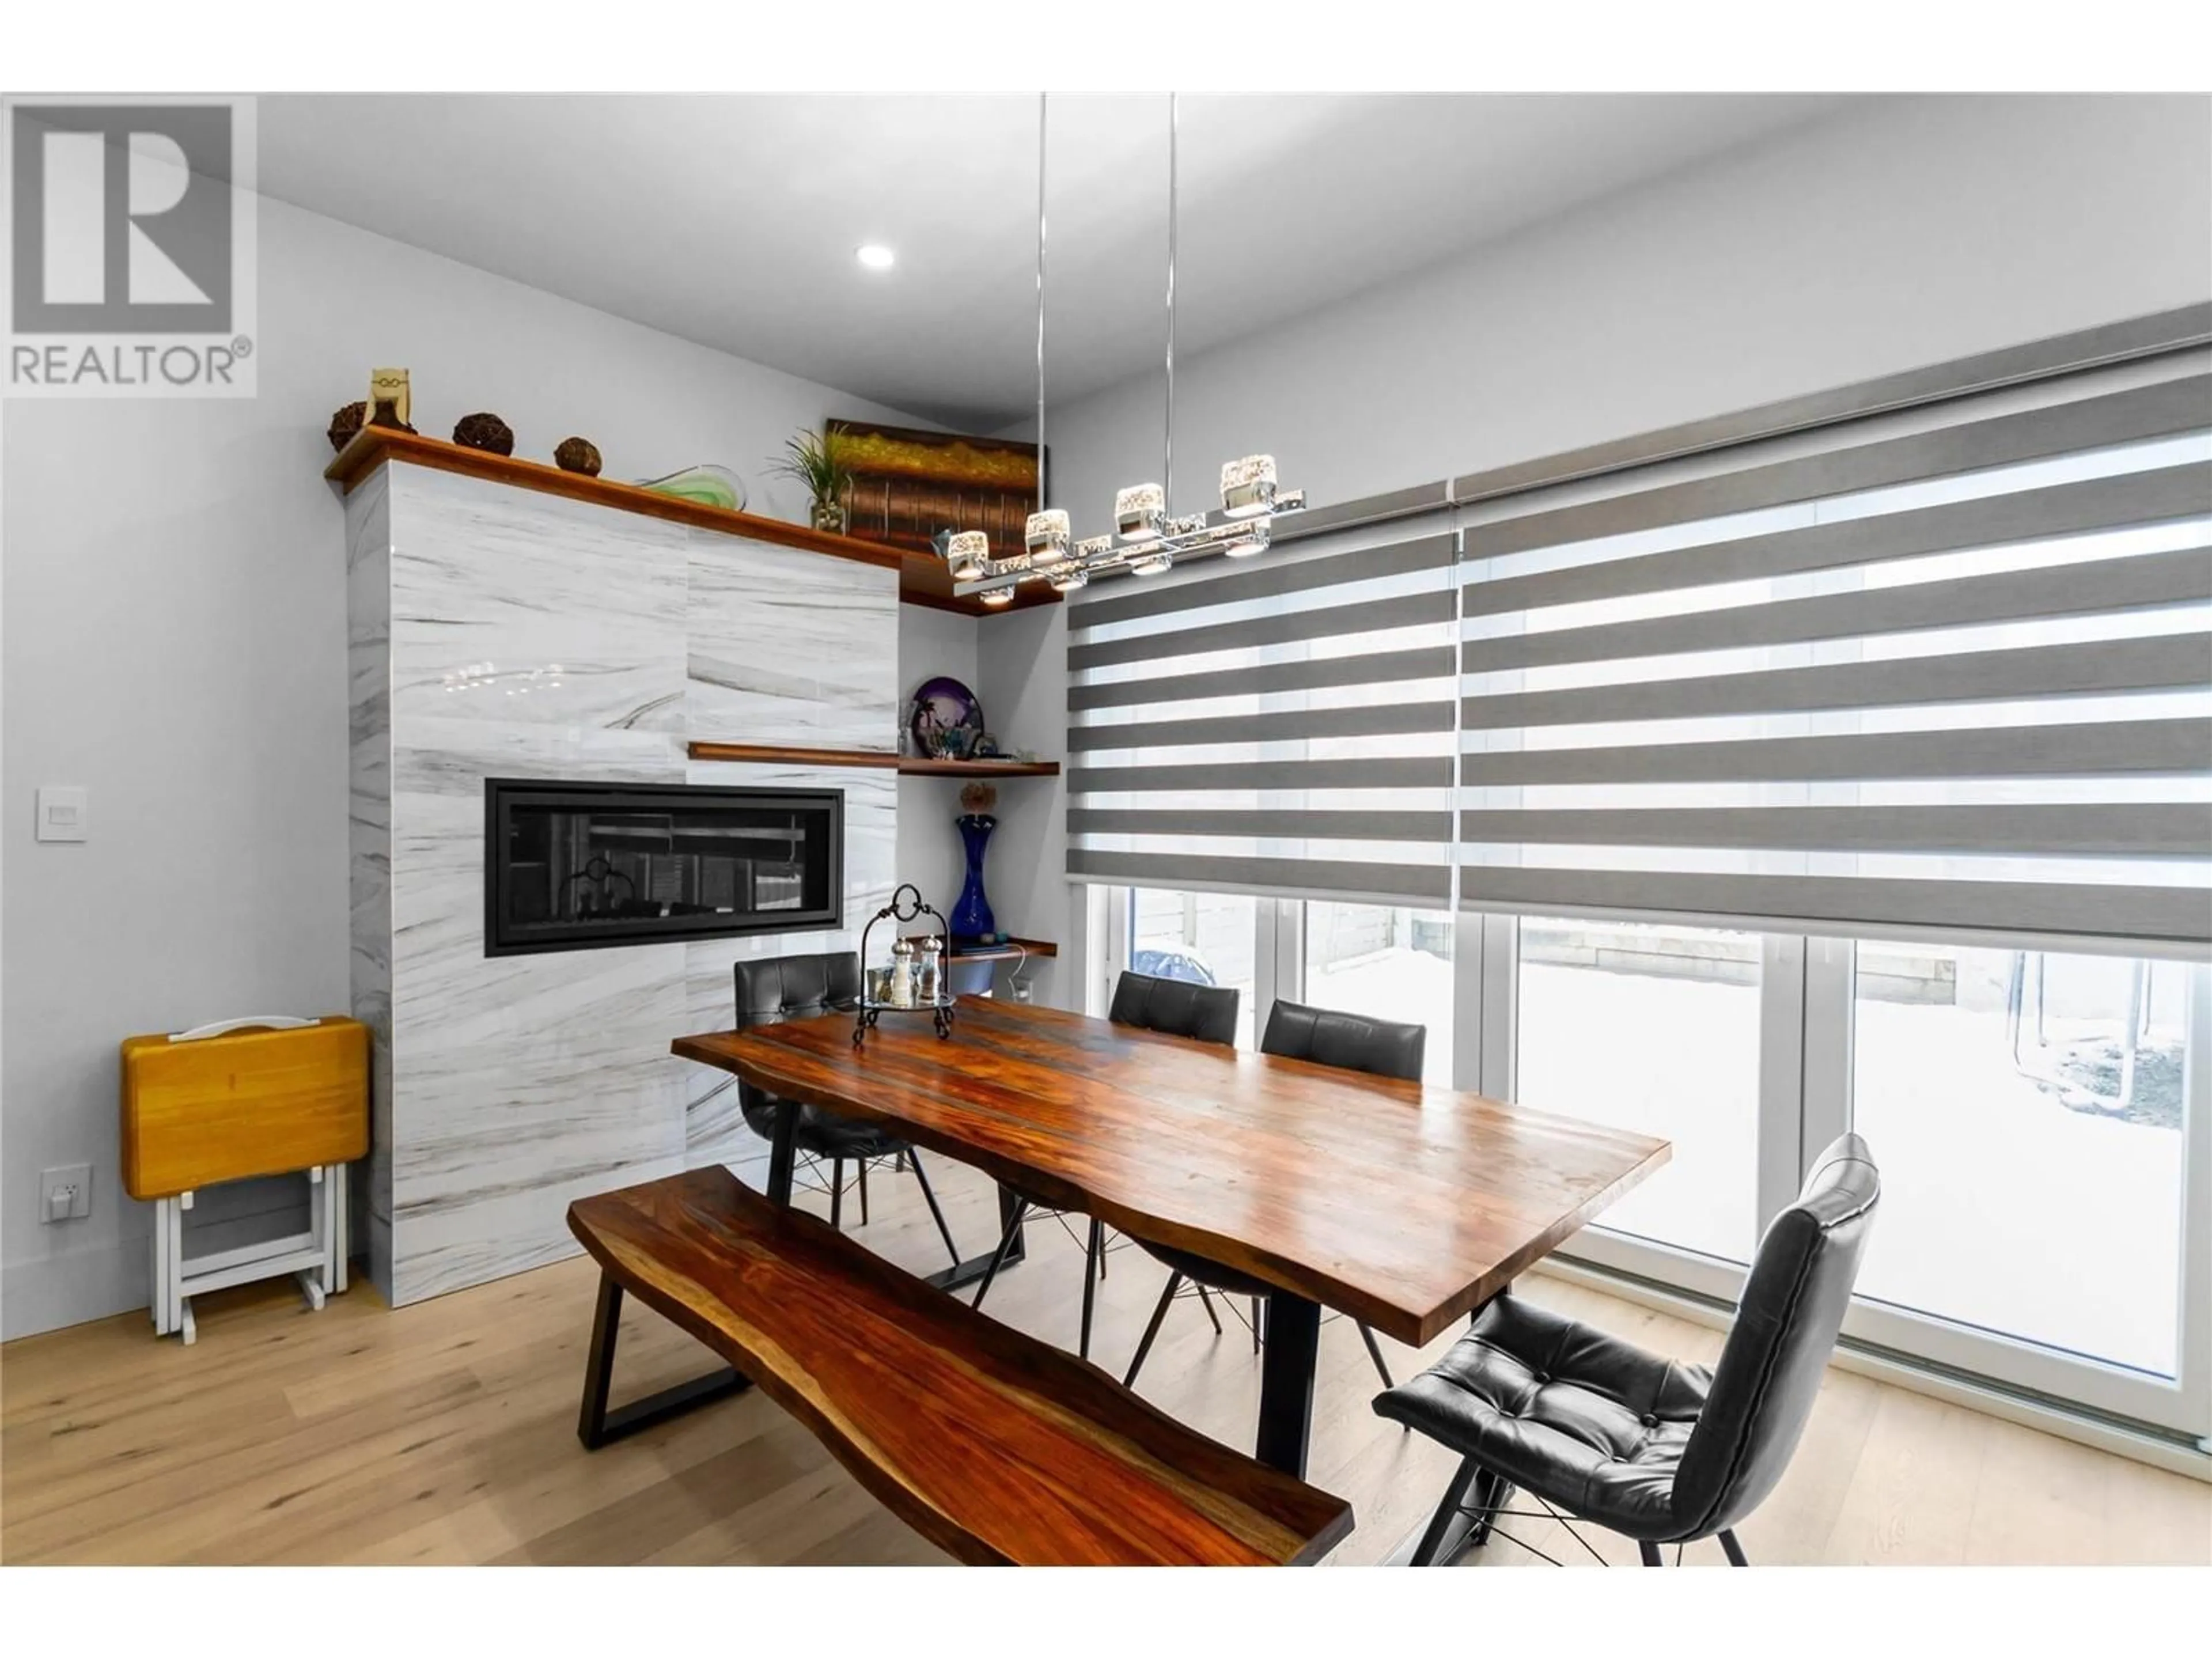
(502, 795)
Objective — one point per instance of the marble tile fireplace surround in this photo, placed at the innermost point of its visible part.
(498, 631)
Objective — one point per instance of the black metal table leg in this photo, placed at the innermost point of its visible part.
(783, 1151)
(597, 1425)
(967, 1271)
(1286, 1382)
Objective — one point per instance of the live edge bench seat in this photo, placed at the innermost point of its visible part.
(995, 1447)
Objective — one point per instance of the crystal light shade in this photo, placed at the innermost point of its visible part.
(1244, 547)
(966, 554)
(1151, 564)
(1046, 537)
(998, 596)
(1067, 578)
(1139, 511)
(1248, 487)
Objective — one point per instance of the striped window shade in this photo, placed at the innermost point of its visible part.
(1280, 726)
(1948, 667)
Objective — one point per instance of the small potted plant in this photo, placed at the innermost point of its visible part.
(815, 459)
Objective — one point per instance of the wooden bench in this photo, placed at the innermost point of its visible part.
(995, 1447)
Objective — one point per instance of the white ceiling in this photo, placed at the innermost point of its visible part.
(732, 221)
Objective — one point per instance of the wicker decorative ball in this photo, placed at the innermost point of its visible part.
(486, 431)
(346, 423)
(578, 455)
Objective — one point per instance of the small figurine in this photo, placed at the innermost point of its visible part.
(388, 396)
(577, 455)
(486, 431)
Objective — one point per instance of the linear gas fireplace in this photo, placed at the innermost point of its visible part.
(570, 866)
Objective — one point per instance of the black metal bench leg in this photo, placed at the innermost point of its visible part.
(1650, 1551)
(1093, 1250)
(1733, 1550)
(864, 1192)
(597, 1425)
(599, 1365)
(1151, 1330)
(837, 1192)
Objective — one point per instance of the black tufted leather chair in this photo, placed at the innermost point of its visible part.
(1662, 1452)
(773, 989)
(1178, 1008)
(1326, 1036)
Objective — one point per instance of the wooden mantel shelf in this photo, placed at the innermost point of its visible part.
(910, 766)
(922, 580)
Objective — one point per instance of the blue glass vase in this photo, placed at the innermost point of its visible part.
(971, 917)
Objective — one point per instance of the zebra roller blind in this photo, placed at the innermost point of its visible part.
(1282, 726)
(1950, 667)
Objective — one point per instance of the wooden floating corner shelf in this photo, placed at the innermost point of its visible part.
(922, 578)
(913, 766)
(917, 766)
(1008, 951)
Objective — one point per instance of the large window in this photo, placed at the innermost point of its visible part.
(1821, 770)
(1388, 964)
(1655, 1030)
(2028, 1110)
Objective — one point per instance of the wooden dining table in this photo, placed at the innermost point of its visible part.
(1404, 1206)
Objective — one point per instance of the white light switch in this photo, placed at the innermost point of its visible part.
(63, 814)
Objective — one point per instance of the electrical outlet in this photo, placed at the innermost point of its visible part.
(66, 1194)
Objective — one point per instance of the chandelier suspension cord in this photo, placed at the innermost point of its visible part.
(1167, 474)
(1040, 280)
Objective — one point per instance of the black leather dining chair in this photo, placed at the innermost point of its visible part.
(1597, 1431)
(1205, 1013)
(773, 989)
(1326, 1036)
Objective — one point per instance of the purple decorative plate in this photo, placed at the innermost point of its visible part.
(945, 719)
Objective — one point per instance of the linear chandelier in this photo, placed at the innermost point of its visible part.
(1145, 539)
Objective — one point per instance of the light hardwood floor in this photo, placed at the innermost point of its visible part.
(445, 1432)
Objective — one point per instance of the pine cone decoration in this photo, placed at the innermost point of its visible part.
(578, 455)
(346, 423)
(486, 431)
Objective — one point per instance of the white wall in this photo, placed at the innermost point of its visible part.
(1903, 233)
(174, 639)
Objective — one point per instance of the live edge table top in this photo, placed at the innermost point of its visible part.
(1403, 1205)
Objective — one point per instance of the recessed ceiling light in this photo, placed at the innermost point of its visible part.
(875, 256)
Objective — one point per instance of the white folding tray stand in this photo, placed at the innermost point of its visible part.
(316, 1257)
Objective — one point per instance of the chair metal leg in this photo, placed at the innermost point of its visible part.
(1206, 1302)
(998, 1257)
(1092, 1253)
(1375, 1353)
(1447, 1526)
(1650, 1551)
(1145, 1347)
(1256, 1305)
(836, 1191)
(864, 1192)
(1733, 1550)
(936, 1214)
